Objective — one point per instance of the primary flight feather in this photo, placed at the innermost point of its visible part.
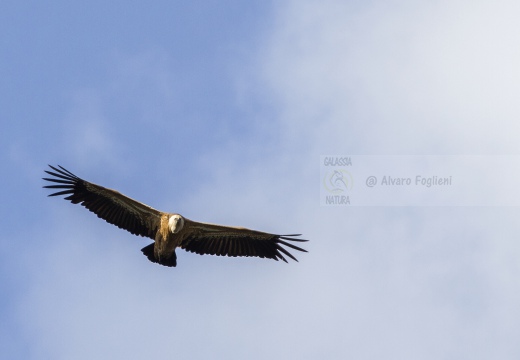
(168, 230)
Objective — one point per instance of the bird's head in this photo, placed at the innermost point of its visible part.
(175, 223)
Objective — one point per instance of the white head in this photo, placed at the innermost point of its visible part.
(175, 223)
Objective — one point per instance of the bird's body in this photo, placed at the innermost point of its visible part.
(168, 230)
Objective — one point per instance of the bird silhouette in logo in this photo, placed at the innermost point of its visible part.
(338, 181)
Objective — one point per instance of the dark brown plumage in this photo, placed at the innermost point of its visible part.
(168, 230)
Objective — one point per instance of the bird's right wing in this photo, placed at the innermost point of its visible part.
(233, 241)
(109, 205)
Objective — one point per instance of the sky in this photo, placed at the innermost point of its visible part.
(220, 111)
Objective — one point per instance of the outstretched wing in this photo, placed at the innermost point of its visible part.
(220, 240)
(107, 204)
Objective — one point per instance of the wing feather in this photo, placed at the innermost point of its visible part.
(220, 240)
(109, 205)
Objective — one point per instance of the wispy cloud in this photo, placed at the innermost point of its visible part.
(402, 77)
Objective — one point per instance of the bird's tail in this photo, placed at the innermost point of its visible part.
(148, 252)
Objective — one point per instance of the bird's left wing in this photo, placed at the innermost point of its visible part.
(220, 240)
(107, 204)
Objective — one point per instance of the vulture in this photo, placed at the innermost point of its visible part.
(168, 230)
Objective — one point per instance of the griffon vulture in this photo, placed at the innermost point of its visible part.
(168, 230)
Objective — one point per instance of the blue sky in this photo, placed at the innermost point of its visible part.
(220, 111)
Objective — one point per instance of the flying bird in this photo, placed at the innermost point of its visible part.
(168, 230)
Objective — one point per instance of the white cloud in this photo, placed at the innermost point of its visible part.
(402, 77)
